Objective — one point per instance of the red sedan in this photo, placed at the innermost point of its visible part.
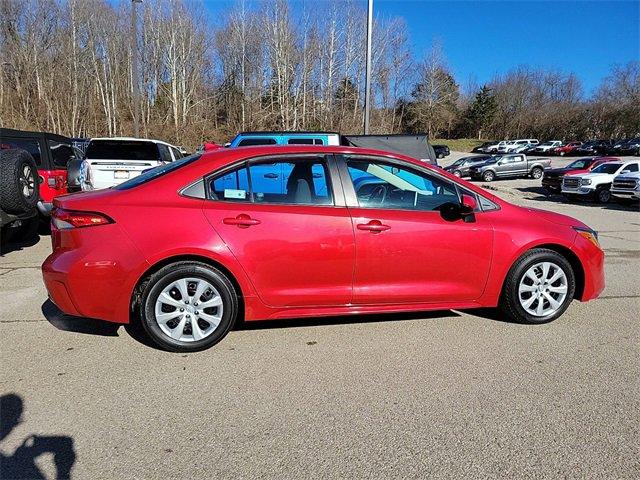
(259, 233)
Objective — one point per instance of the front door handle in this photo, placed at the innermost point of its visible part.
(243, 221)
(375, 226)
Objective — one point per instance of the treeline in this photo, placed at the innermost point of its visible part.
(66, 67)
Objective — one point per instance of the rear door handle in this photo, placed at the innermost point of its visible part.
(243, 221)
(375, 226)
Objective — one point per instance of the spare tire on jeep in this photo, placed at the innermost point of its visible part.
(19, 191)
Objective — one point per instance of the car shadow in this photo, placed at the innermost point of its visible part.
(342, 320)
(22, 462)
(542, 194)
(69, 323)
(8, 247)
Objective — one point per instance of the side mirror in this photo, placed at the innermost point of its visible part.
(625, 171)
(469, 202)
(452, 212)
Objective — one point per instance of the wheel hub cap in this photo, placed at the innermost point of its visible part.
(189, 309)
(543, 289)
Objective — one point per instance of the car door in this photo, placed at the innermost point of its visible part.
(285, 220)
(406, 252)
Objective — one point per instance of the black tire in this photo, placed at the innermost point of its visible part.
(488, 176)
(18, 181)
(509, 299)
(158, 281)
(536, 173)
(603, 195)
(457, 173)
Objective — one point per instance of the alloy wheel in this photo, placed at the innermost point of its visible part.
(28, 181)
(543, 289)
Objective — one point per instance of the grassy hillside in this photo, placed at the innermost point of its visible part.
(458, 145)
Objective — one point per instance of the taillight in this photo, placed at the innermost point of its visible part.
(65, 219)
(57, 181)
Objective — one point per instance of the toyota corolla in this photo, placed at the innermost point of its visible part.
(257, 233)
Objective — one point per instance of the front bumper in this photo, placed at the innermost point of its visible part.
(552, 183)
(625, 193)
(592, 261)
(584, 191)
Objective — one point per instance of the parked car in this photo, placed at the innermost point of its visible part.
(19, 195)
(483, 148)
(247, 139)
(594, 147)
(111, 161)
(626, 187)
(626, 147)
(515, 146)
(460, 168)
(547, 147)
(552, 178)
(495, 147)
(416, 146)
(246, 254)
(597, 183)
(51, 154)
(509, 166)
(441, 151)
(566, 149)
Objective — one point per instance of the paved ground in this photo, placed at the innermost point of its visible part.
(447, 394)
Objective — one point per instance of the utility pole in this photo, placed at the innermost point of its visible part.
(367, 83)
(135, 70)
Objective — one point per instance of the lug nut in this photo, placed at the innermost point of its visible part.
(195, 304)
(196, 312)
(182, 309)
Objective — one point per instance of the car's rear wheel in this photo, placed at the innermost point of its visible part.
(188, 306)
(488, 176)
(536, 173)
(539, 287)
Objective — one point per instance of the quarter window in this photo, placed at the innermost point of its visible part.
(381, 185)
(305, 141)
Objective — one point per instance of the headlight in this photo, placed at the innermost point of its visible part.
(585, 181)
(589, 234)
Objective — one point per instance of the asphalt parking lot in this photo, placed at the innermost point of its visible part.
(447, 394)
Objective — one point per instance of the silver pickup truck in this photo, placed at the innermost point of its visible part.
(509, 166)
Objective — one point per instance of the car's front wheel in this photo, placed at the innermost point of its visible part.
(539, 287)
(188, 306)
(603, 195)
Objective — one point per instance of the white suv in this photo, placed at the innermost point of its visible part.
(597, 183)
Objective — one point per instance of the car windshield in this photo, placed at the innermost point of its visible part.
(156, 172)
(582, 163)
(607, 168)
(122, 150)
(459, 162)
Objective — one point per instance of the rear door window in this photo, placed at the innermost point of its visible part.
(30, 145)
(232, 186)
(165, 154)
(305, 141)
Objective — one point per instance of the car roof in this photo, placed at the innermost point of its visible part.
(131, 139)
(286, 132)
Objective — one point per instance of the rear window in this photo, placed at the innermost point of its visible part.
(156, 172)
(121, 150)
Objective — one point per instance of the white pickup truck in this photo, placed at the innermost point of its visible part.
(626, 186)
(597, 183)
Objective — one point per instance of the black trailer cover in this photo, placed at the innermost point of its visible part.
(416, 146)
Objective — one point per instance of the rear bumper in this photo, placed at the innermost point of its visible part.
(85, 277)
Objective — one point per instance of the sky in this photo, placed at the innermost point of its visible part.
(484, 38)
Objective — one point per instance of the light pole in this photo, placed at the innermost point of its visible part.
(367, 82)
(135, 74)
